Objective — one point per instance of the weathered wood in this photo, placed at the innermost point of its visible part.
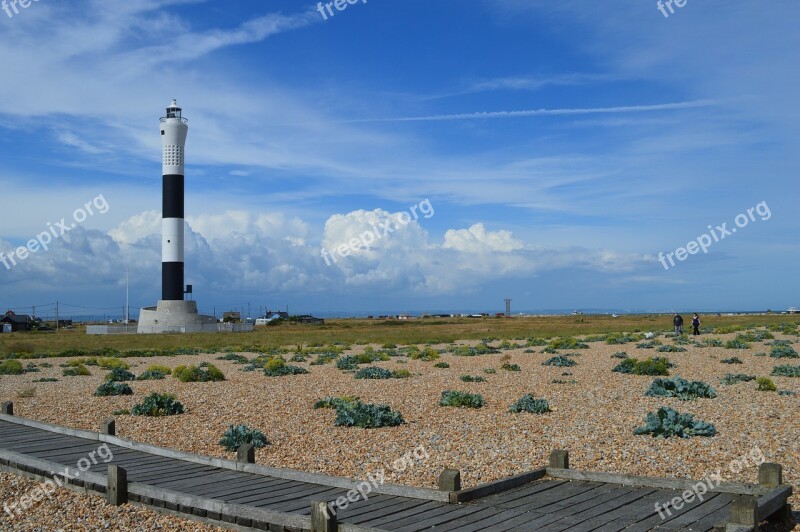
(7, 408)
(498, 486)
(774, 501)
(559, 459)
(117, 487)
(246, 453)
(770, 474)
(450, 480)
(109, 427)
(653, 482)
(322, 520)
(744, 510)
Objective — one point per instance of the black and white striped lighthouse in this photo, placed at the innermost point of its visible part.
(173, 139)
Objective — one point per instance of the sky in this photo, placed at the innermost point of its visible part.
(568, 155)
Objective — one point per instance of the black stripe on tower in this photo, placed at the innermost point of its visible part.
(172, 197)
(172, 281)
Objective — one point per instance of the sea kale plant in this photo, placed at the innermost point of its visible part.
(733, 378)
(366, 415)
(113, 388)
(205, 372)
(157, 404)
(527, 403)
(459, 399)
(120, 375)
(238, 435)
(680, 388)
(650, 366)
(560, 361)
(786, 371)
(667, 423)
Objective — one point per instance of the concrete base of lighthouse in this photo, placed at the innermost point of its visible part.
(175, 317)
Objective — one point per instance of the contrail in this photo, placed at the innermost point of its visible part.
(546, 112)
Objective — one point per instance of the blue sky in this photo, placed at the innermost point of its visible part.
(562, 147)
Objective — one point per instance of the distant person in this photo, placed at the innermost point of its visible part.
(677, 321)
(695, 324)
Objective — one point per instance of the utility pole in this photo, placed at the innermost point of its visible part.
(56, 316)
(508, 308)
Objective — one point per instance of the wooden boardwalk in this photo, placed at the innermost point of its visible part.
(243, 495)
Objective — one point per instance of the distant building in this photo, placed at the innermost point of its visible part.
(311, 320)
(18, 322)
(231, 316)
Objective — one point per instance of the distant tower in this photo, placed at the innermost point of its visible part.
(173, 140)
(508, 308)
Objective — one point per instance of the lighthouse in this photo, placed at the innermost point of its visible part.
(173, 313)
(174, 129)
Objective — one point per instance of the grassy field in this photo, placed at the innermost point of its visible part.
(361, 331)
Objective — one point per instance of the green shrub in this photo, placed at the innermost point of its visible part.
(736, 344)
(733, 378)
(510, 367)
(561, 381)
(786, 371)
(680, 388)
(652, 344)
(373, 372)
(620, 354)
(459, 399)
(623, 338)
(441, 365)
(11, 367)
(112, 363)
(205, 372)
(472, 378)
(122, 412)
(238, 435)
(401, 374)
(333, 402)
(650, 366)
(471, 351)
(151, 375)
(667, 423)
(235, 358)
(765, 384)
(157, 404)
(120, 375)
(783, 351)
(113, 388)
(711, 342)
(427, 354)
(277, 367)
(490, 371)
(560, 361)
(159, 368)
(348, 363)
(787, 392)
(671, 349)
(536, 342)
(324, 358)
(527, 403)
(366, 415)
(567, 343)
(75, 371)
(46, 379)
(731, 360)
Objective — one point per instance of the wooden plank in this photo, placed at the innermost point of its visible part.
(158, 480)
(382, 522)
(495, 522)
(216, 477)
(653, 482)
(644, 524)
(497, 486)
(693, 515)
(773, 501)
(372, 505)
(270, 497)
(291, 504)
(640, 502)
(399, 504)
(292, 488)
(526, 491)
(238, 486)
(559, 493)
(586, 500)
(444, 520)
(431, 513)
(708, 522)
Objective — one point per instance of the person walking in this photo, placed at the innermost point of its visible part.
(695, 324)
(677, 321)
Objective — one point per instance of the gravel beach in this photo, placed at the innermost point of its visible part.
(594, 413)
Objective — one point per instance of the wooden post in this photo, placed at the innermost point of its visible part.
(117, 488)
(450, 480)
(8, 408)
(109, 426)
(322, 520)
(246, 453)
(744, 510)
(559, 459)
(770, 474)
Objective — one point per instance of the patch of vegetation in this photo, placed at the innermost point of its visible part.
(667, 423)
(510, 367)
(765, 384)
(620, 354)
(45, 379)
(650, 366)
(527, 403)
(560, 361)
(373, 372)
(461, 399)
(711, 342)
(235, 358)
(152, 375)
(732, 360)
(490, 371)
(783, 351)
(536, 342)
(238, 435)
(733, 378)
(277, 367)
(366, 415)
(671, 349)
(205, 372)
(652, 344)
(26, 393)
(113, 388)
(11, 367)
(112, 363)
(333, 402)
(472, 351)
(324, 358)
(736, 344)
(123, 412)
(76, 371)
(755, 336)
(158, 404)
(567, 342)
(680, 388)
(120, 375)
(428, 353)
(472, 378)
(441, 365)
(786, 371)
(623, 338)
(560, 381)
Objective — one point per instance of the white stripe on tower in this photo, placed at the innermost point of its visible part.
(173, 140)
